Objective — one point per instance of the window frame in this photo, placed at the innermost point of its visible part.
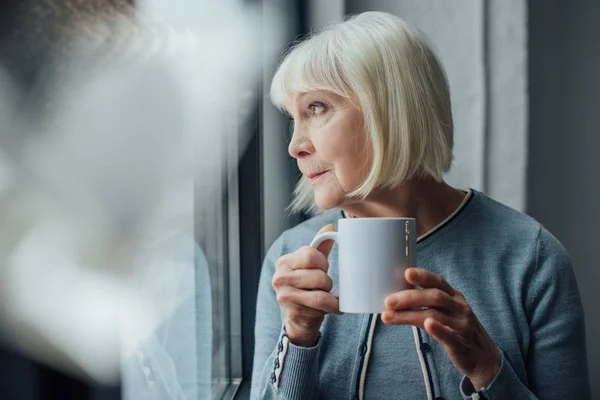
(252, 187)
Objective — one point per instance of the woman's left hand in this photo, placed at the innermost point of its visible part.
(443, 313)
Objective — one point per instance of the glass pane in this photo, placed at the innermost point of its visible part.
(211, 231)
(158, 305)
(215, 209)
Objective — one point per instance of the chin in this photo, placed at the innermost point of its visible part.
(326, 201)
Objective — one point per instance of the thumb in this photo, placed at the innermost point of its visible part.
(327, 245)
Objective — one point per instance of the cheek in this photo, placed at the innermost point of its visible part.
(347, 149)
(352, 165)
(327, 146)
(353, 169)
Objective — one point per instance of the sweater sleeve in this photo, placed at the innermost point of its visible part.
(556, 361)
(281, 370)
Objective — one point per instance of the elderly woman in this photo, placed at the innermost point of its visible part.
(495, 312)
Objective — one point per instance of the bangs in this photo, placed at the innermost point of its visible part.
(309, 66)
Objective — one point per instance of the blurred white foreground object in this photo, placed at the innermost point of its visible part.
(97, 249)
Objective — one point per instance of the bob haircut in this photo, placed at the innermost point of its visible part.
(402, 89)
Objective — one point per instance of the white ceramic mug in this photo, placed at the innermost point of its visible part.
(373, 254)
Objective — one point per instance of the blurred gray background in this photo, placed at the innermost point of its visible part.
(563, 180)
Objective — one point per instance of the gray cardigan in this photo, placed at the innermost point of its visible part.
(517, 278)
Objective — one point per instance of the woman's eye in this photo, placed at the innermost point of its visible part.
(317, 108)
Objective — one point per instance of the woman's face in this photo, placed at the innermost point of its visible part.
(330, 144)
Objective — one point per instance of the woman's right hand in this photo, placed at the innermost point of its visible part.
(302, 286)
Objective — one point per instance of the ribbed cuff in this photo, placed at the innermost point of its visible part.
(467, 387)
(298, 379)
(505, 385)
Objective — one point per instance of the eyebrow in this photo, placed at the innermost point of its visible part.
(297, 99)
(302, 95)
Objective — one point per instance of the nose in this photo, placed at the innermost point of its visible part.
(300, 145)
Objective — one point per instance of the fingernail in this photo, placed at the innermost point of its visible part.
(385, 317)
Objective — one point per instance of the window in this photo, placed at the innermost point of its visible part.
(203, 349)
(217, 233)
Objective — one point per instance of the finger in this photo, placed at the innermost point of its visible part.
(416, 317)
(297, 312)
(419, 298)
(399, 274)
(284, 260)
(315, 299)
(307, 279)
(326, 246)
(308, 258)
(320, 300)
(443, 334)
(427, 279)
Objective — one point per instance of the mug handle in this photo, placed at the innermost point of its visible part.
(323, 237)
(320, 239)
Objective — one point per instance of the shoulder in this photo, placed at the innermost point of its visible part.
(552, 259)
(502, 224)
(498, 214)
(508, 227)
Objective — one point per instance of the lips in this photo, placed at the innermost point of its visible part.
(314, 175)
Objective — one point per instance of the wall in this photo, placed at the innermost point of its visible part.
(563, 185)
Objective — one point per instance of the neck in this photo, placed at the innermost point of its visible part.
(429, 202)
